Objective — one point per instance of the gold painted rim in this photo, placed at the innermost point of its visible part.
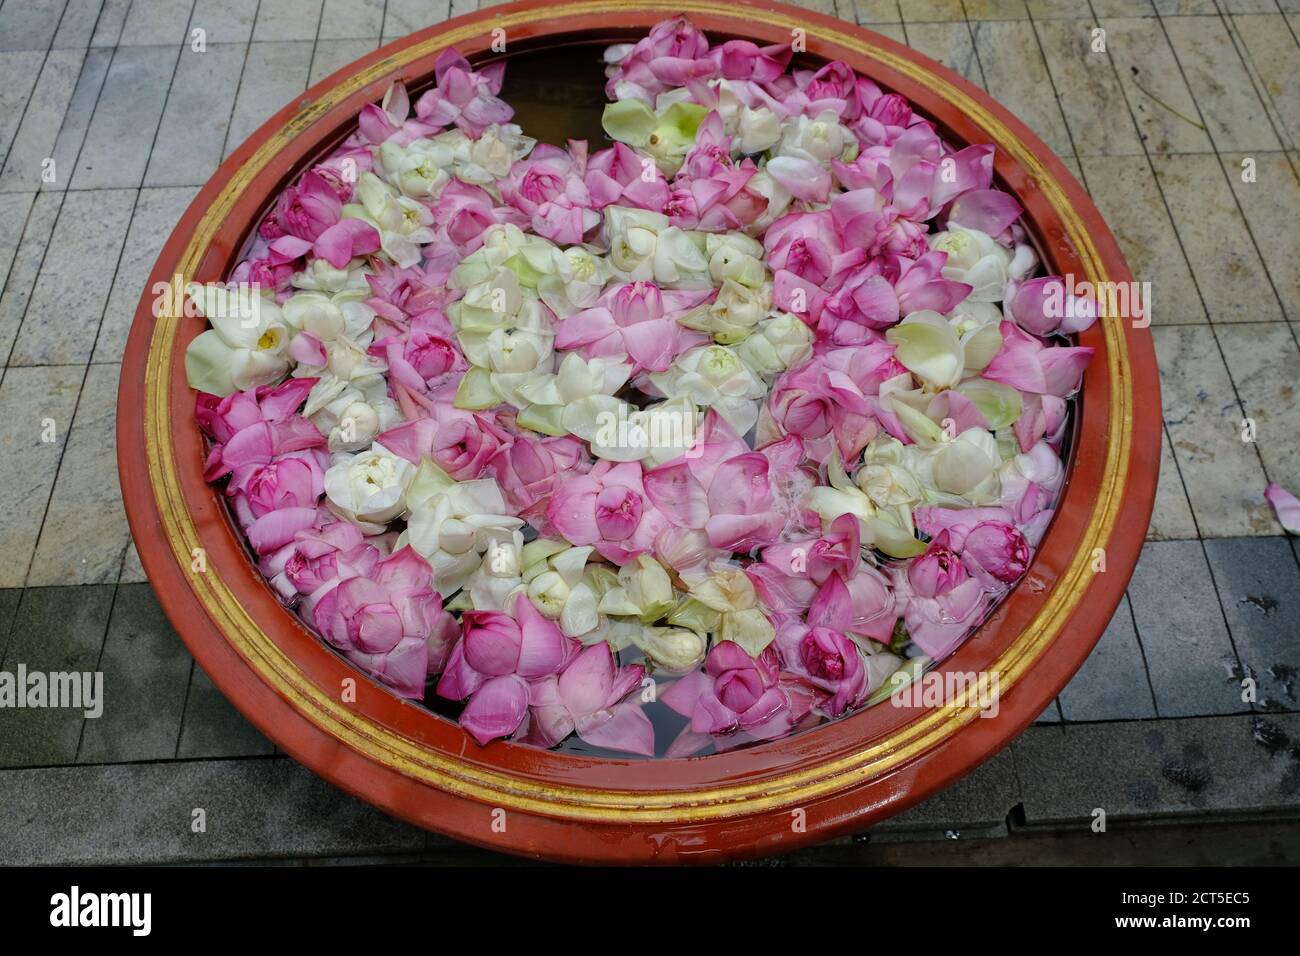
(498, 789)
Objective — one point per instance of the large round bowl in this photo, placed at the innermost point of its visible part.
(400, 756)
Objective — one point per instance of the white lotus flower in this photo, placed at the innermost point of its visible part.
(418, 169)
(778, 343)
(368, 489)
(403, 223)
(644, 246)
(454, 523)
(247, 345)
(977, 259)
(715, 377)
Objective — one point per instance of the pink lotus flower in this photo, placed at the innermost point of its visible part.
(548, 186)
(709, 191)
(736, 693)
(464, 97)
(530, 470)
(460, 443)
(609, 509)
(1044, 306)
(832, 401)
(498, 655)
(383, 622)
(745, 60)
(337, 245)
(884, 290)
(722, 488)
(1026, 363)
(317, 555)
(637, 320)
(808, 244)
(426, 358)
(942, 601)
(674, 52)
(222, 418)
(619, 177)
(462, 213)
(996, 553)
(391, 120)
(590, 696)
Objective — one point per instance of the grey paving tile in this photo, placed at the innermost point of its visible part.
(196, 118)
(143, 813)
(156, 23)
(10, 598)
(32, 401)
(1143, 770)
(1222, 474)
(332, 55)
(85, 533)
(345, 19)
(30, 25)
(1051, 714)
(950, 43)
(1016, 76)
(1188, 651)
(78, 24)
(146, 670)
(1184, 8)
(26, 264)
(18, 72)
(1112, 683)
(55, 630)
(121, 133)
(1265, 365)
(156, 213)
(1228, 270)
(1090, 95)
(1123, 8)
(1269, 202)
(132, 570)
(892, 30)
(212, 727)
(226, 21)
(1126, 192)
(1271, 53)
(995, 9)
(1259, 585)
(14, 208)
(112, 16)
(1171, 519)
(978, 801)
(1232, 110)
(274, 74)
(929, 11)
(872, 12)
(1050, 9)
(288, 20)
(1248, 6)
(75, 279)
(34, 141)
(406, 16)
(72, 133)
(1153, 86)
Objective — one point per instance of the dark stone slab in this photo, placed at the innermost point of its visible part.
(1112, 683)
(1154, 769)
(254, 808)
(980, 801)
(55, 629)
(146, 672)
(1193, 668)
(213, 727)
(1259, 585)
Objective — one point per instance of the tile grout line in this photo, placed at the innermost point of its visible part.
(99, 667)
(311, 60)
(974, 52)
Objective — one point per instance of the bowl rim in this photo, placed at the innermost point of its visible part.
(409, 761)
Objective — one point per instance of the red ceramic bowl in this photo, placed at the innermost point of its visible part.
(834, 779)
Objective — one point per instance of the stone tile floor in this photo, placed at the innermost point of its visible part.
(109, 123)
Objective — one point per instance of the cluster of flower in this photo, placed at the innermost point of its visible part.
(761, 397)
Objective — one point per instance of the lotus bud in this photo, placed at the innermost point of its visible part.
(549, 593)
(676, 650)
(696, 616)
